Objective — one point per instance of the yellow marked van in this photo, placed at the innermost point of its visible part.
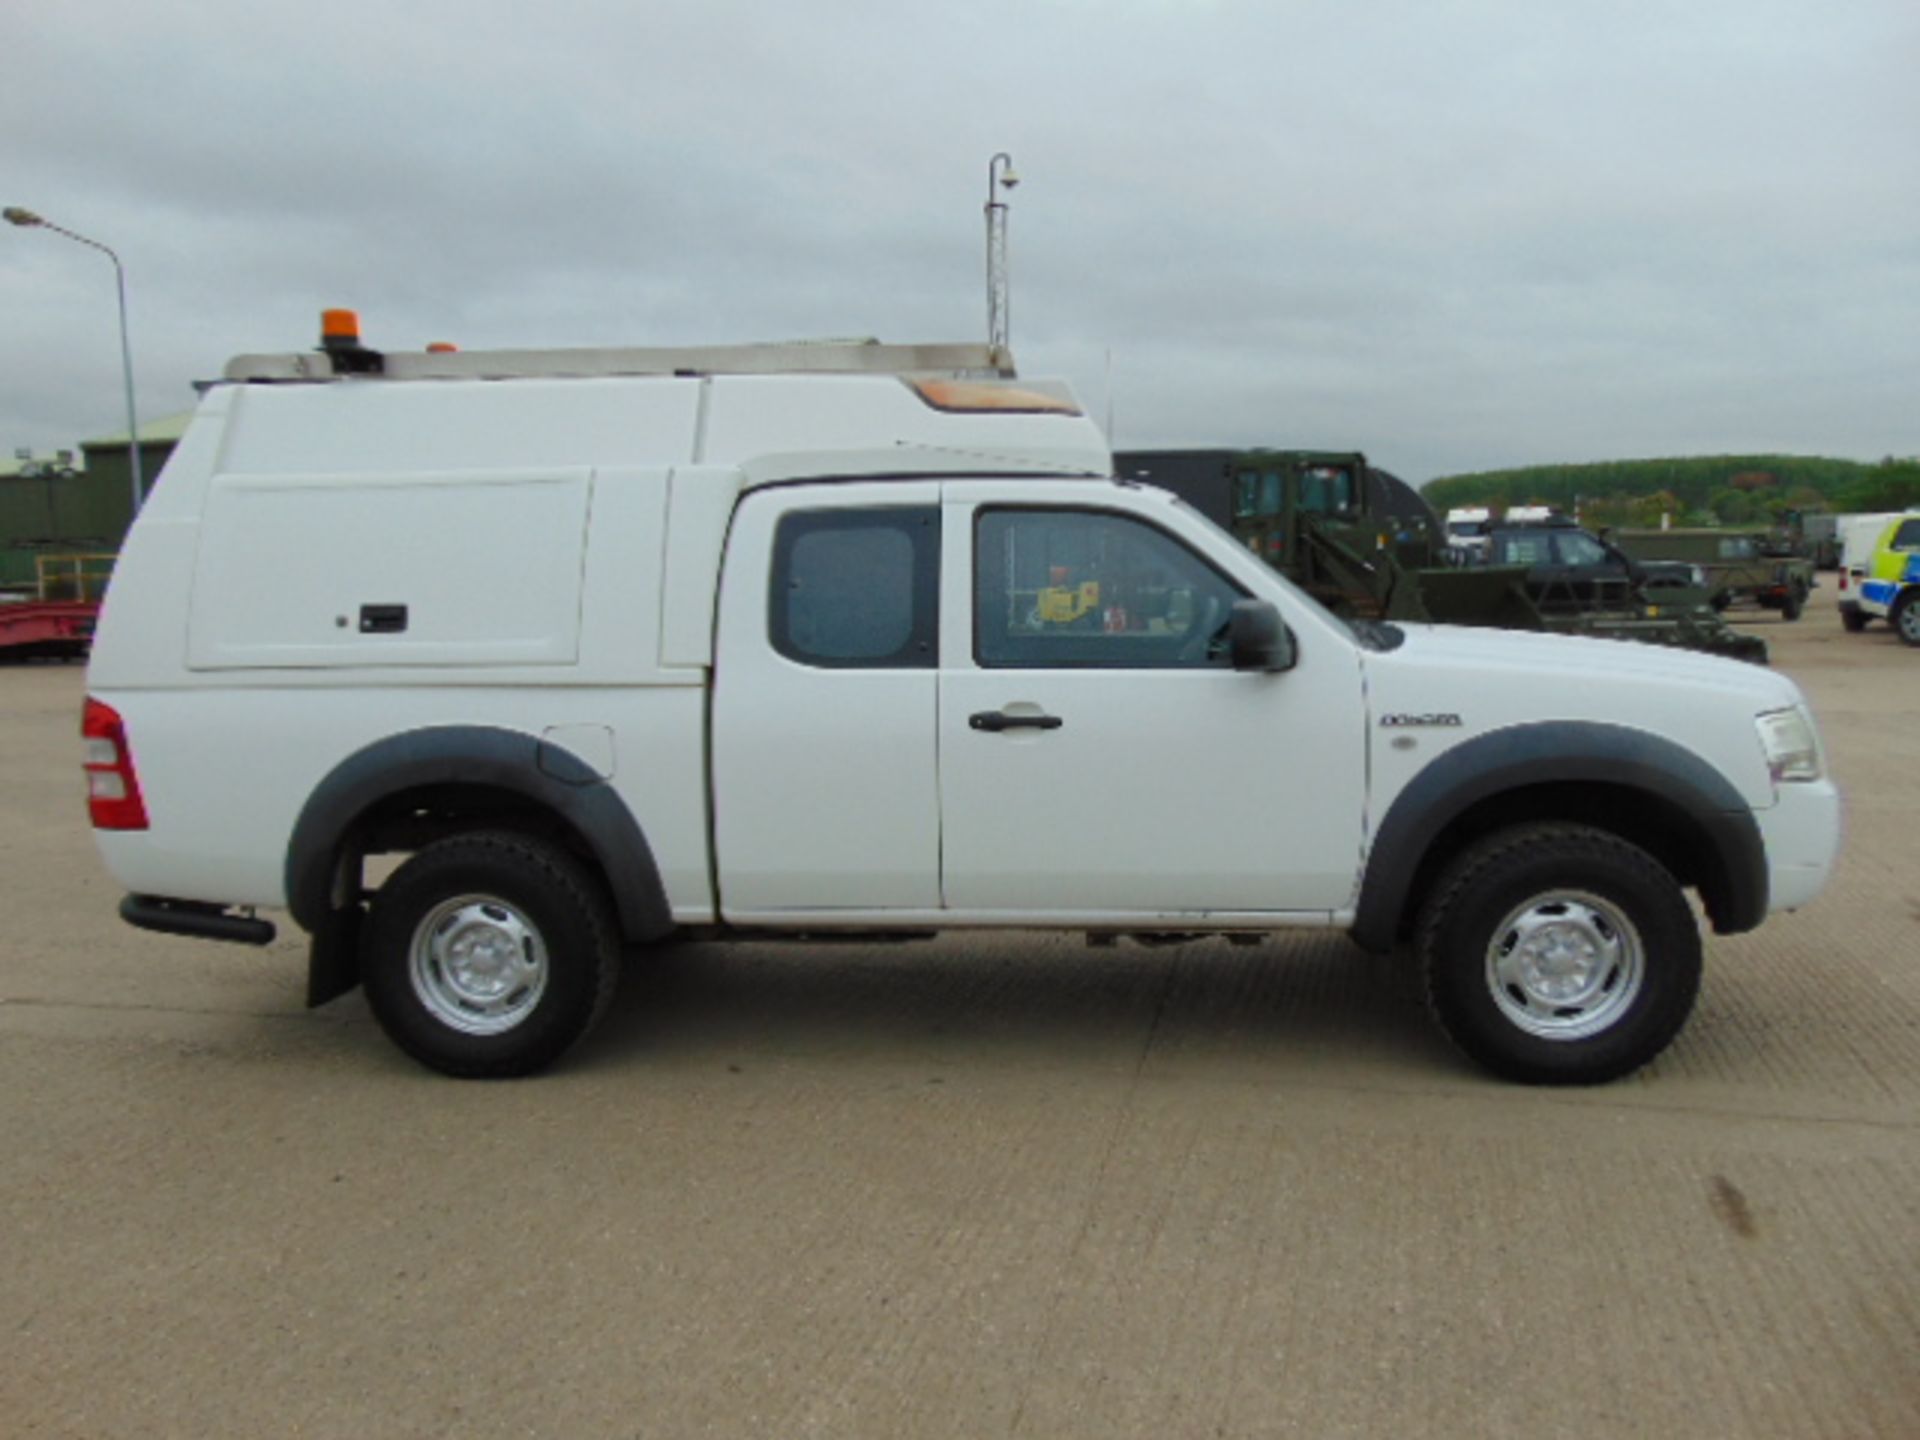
(1890, 588)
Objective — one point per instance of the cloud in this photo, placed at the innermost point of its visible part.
(1454, 236)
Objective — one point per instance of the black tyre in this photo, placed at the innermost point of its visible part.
(1904, 617)
(1795, 603)
(1852, 618)
(490, 954)
(1559, 955)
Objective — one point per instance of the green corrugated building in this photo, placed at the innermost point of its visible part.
(51, 506)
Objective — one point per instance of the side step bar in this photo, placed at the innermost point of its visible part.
(196, 918)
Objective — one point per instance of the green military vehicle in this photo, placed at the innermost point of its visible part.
(1739, 567)
(1368, 546)
(1815, 536)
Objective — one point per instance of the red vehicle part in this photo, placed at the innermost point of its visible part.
(47, 627)
(113, 789)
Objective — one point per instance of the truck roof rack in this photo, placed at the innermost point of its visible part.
(856, 357)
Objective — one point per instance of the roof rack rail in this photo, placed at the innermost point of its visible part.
(863, 357)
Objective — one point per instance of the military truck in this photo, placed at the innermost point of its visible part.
(1571, 570)
(1742, 567)
(1365, 544)
(1818, 538)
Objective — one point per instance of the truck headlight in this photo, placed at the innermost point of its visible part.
(1787, 738)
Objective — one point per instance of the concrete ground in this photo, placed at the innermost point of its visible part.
(971, 1188)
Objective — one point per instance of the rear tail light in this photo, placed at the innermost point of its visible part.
(113, 790)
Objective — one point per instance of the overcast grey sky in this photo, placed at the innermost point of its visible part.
(1455, 235)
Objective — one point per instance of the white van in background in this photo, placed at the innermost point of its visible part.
(1467, 531)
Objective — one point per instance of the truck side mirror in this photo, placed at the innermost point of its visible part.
(1257, 639)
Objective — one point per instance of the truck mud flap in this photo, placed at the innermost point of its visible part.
(333, 960)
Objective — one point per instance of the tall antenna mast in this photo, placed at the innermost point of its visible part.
(1000, 176)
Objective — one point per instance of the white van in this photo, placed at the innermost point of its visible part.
(1467, 531)
(829, 641)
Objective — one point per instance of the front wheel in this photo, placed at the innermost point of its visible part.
(1905, 616)
(490, 954)
(1560, 954)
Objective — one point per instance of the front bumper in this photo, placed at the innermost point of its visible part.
(1802, 834)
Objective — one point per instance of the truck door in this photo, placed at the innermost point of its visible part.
(1098, 754)
(825, 778)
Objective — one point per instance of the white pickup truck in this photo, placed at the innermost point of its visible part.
(813, 641)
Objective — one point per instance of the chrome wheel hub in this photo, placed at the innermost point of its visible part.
(478, 964)
(1565, 965)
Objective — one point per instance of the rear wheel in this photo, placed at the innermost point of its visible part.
(490, 954)
(1905, 615)
(1794, 604)
(1852, 617)
(1560, 954)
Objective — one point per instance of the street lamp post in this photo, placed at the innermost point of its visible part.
(999, 173)
(17, 216)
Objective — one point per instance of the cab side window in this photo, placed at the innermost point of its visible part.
(1907, 537)
(1531, 548)
(1089, 589)
(1572, 548)
(857, 589)
(1258, 492)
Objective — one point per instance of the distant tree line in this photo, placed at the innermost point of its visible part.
(1694, 490)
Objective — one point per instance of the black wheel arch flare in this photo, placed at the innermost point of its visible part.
(543, 774)
(1521, 771)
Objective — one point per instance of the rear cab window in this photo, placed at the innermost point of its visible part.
(857, 588)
